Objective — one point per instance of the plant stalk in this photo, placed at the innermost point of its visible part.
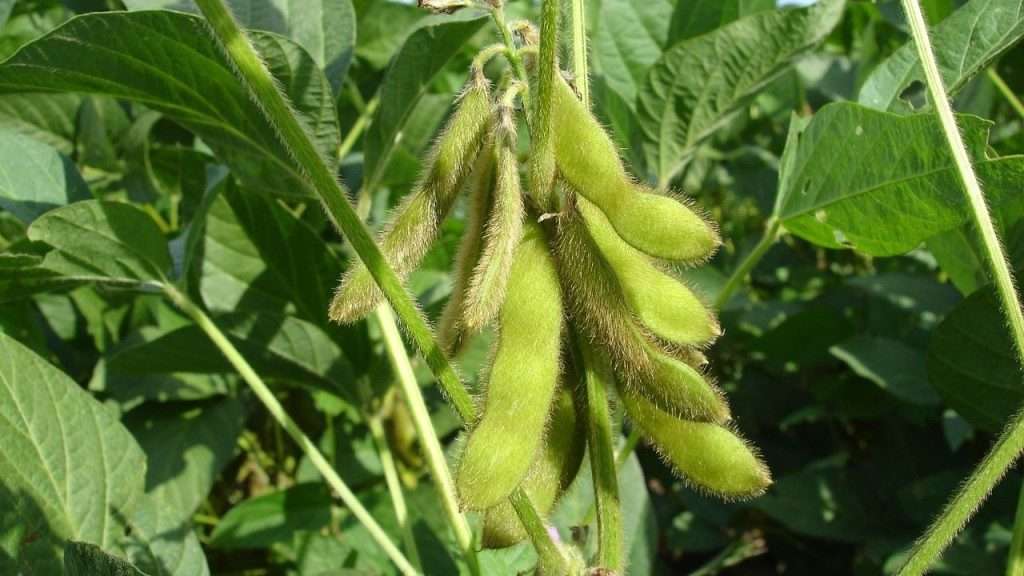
(1010, 444)
(428, 437)
(277, 411)
(739, 275)
(542, 153)
(602, 462)
(579, 51)
(394, 484)
(549, 557)
(358, 128)
(278, 112)
(1015, 556)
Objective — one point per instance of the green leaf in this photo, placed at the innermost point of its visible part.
(68, 468)
(35, 178)
(326, 29)
(891, 365)
(265, 520)
(49, 118)
(910, 193)
(168, 61)
(110, 241)
(5, 11)
(84, 559)
(422, 57)
(629, 38)
(965, 43)
(160, 544)
(696, 17)
(733, 63)
(256, 256)
(973, 364)
(279, 347)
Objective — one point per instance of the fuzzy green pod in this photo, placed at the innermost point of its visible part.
(660, 226)
(708, 455)
(553, 470)
(415, 224)
(598, 305)
(452, 331)
(489, 281)
(522, 380)
(662, 303)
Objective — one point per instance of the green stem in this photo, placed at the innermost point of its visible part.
(1005, 90)
(358, 128)
(579, 51)
(602, 462)
(628, 447)
(1010, 444)
(739, 275)
(387, 462)
(428, 437)
(513, 55)
(550, 557)
(542, 153)
(263, 89)
(1015, 556)
(277, 411)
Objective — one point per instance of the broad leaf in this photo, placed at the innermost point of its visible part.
(83, 559)
(110, 241)
(695, 17)
(35, 178)
(424, 54)
(629, 38)
(973, 364)
(68, 468)
(882, 183)
(262, 521)
(965, 43)
(169, 62)
(326, 29)
(733, 63)
(48, 118)
(891, 365)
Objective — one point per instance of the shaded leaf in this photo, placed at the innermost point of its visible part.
(48, 118)
(733, 62)
(890, 364)
(83, 559)
(264, 520)
(965, 43)
(911, 193)
(68, 468)
(161, 544)
(35, 178)
(168, 61)
(697, 17)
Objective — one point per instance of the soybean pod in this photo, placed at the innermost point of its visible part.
(522, 380)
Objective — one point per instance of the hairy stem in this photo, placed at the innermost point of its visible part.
(1015, 556)
(513, 55)
(1010, 444)
(579, 51)
(262, 88)
(387, 462)
(277, 411)
(542, 153)
(602, 462)
(428, 437)
(739, 275)
(1006, 91)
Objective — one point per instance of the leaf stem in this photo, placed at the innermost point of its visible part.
(550, 557)
(1015, 556)
(771, 234)
(513, 55)
(358, 128)
(1006, 91)
(275, 107)
(602, 462)
(1010, 444)
(542, 154)
(277, 411)
(579, 51)
(387, 462)
(428, 437)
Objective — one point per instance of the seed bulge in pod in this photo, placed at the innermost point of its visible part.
(657, 225)
(415, 224)
(522, 380)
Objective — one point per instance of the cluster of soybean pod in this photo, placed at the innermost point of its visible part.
(573, 271)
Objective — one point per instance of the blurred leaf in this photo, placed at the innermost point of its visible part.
(109, 241)
(265, 520)
(5, 11)
(35, 178)
(383, 26)
(630, 37)
(49, 118)
(965, 43)
(68, 468)
(424, 54)
(696, 17)
(169, 61)
(911, 193)
(326, 29)
(83, 559)
(734, 62)
(821, 503)
(890, 364)
(973, 365)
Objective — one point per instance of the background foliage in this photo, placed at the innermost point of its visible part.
(864, 354)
